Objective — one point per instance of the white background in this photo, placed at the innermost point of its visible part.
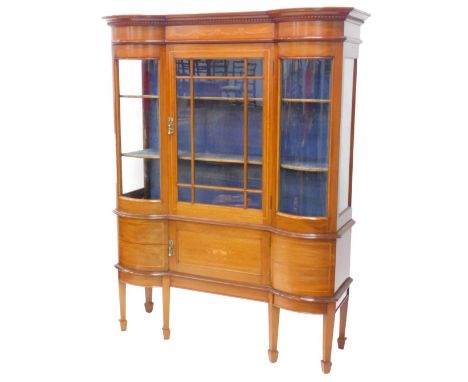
(58, 287)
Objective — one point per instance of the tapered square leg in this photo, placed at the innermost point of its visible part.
(149, 299)
(328, 324)
(273, 324)
(166, 303)
(343, 316)
(122, 299)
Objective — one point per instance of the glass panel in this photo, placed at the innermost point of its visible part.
(304, 133)
(185, 194)
(152, 179)
(219, 128)
(219, 197)
(219, 88)
(182, 67)
(218, 67)
(304, 136)
(254, 177)
(184, 171)
(138, 77)
(254, 89)
(345, 134)
(151, 124)
(254, 67)
(131, 124)
(303, 192)
(139, 128)
(254, 200)
(219, 174)
(140, 178)
(133, 179)
(306, 78)
(254, 146)
(150, 77)
(183, 88)
(183, 127)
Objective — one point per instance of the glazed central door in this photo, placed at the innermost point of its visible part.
(218, 124)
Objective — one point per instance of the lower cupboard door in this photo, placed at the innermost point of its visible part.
(220, 252)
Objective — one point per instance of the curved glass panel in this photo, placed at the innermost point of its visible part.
(304, 137)
(139, 128)
(345, 134)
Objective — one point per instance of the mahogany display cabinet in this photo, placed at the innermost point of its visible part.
(234, 148)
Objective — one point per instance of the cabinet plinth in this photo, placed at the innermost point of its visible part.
(234, 145)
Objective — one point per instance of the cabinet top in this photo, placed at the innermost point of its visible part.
(273, 16)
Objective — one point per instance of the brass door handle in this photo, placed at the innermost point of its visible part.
(170, 125)
(171, 248)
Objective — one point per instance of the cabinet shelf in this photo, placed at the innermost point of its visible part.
(219, 77)
(139, 96)
(219, 98)
(305, 100)
(222, 158)
(145, 153)
(297, 166)
(220, 188)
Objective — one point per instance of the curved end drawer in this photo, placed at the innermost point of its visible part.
(143, 256)
(143, 244)
(303, 267)
(143, 231)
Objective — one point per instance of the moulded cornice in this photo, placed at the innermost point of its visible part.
(274, 16)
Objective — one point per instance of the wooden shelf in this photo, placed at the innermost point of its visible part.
(139, 96)
(308, 167)
(187, 77)
(305, 100)
(220, 188)
(220, 98)
(222, 158)
(145, 153)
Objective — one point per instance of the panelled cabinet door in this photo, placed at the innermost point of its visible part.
(219, 118)
(139, 128)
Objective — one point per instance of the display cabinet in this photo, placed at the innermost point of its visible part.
(234, 146)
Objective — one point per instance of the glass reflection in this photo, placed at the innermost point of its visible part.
(219, 88)
(303, 193)
(304, 136)
(219, 197)
(182, 67)
(138, 77)
(304, 133)
(219, 128)
(141, 178)
(185, 194)
(306, 78)
(254, 200)
(254, 177)
(219, 111)
(139, 128)
(184, 171)
(254, 88)
(254, 67)
(219, 174)
(218, 67)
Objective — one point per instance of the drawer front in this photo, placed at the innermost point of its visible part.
(219, 252)
(143, 256)
(142, 231)
(302, 267)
